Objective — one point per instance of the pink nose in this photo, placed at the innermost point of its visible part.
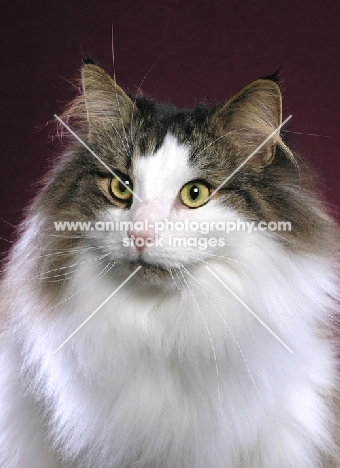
(141, 238)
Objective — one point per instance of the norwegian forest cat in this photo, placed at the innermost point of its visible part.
(122, 348)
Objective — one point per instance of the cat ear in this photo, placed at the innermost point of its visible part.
(104, 100)
(250, 117)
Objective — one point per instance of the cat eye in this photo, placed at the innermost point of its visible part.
(118, 190)
(194, 194)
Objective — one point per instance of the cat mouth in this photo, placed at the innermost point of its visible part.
(150, 270)
(149, 266)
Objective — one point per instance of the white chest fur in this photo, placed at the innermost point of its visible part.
(190, 378)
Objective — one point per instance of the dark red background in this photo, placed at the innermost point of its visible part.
(204, 50)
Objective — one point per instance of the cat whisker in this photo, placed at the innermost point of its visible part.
(6, 240)
(92, 260)
(60, 280)
(210, 339)
(60, 253)
(219, 138)
(39, 277)
(114, 77)
(87, 249)
(62, 276)
(7, 222)
(135, 99)
(232, 334)
(62, 236)
(179, 279)
(227, 258)
(102, 273)
(68, 251)
(261, 273)
(205, 286)
(124, 145)
(308, 134)
(170, 272)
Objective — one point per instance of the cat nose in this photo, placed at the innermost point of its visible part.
(141, 238)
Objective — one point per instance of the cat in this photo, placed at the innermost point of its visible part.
(120, 347)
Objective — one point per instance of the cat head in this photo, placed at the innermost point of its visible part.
(155, 183)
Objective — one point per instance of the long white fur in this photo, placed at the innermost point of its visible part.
(166, 376)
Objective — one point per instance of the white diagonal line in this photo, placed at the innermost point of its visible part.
(95, 155)
(249, 309)
(98, 308)
(249, 157)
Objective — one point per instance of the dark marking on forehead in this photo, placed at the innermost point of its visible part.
(154, 120)
(151, 124)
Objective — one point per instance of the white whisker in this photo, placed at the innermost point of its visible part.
(170, 271)
(134, 102)
(210, 339)
(227, 258)
(99, 275)
(216, 139)
(114, 77)
(92, 260)
(250, 310)
(230, 331)
(98, 308)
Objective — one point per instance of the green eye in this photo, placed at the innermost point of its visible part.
(194, 194)
(119, 190)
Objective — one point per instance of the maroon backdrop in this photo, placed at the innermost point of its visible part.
(199, 50)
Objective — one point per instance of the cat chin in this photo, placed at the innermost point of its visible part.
(153, 274)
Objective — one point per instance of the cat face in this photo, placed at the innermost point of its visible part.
(172, 194)
(158, 172)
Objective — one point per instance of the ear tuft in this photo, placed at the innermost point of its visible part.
(86, 60)
(276, 77)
